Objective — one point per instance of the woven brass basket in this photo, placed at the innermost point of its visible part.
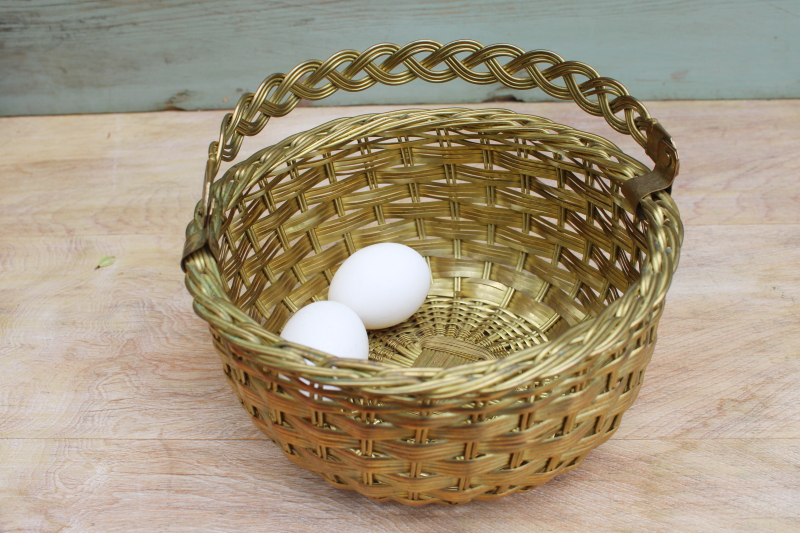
(551, 253)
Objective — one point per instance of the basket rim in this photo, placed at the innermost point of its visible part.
(588, 339)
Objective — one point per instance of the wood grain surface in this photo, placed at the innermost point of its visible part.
(115, 415)
(90, 56)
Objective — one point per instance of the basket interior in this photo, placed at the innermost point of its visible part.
(521, 221)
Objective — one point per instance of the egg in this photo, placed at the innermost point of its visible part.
(329, 327)
(384, 284)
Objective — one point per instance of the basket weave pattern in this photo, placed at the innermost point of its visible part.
(543, 281)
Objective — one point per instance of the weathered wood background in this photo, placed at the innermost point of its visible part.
(97, 56)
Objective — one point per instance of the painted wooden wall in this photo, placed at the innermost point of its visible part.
(96, 56)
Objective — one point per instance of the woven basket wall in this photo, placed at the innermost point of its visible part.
(547, 288)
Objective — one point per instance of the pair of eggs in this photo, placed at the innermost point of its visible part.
(377, 287)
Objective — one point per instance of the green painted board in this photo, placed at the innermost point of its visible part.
(93, 56)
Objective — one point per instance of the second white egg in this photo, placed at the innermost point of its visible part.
(329, 327)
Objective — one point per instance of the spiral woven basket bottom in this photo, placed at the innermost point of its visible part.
(447, 332)
(522, 223)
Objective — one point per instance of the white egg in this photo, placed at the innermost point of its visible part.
(384, 284)
(329, 327)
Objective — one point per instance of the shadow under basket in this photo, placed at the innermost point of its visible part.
(550, 250)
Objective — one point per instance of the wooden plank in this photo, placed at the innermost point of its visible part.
(141, 365)
(108, 352)
(148, 167)
(115, 415)
(726, 362)
(94, 56)
(113, 485)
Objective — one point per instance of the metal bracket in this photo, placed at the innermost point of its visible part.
(661, 149)
(197, 232)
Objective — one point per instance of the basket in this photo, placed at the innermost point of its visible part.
(551, 253)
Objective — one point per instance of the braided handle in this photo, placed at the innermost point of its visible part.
(280, 93)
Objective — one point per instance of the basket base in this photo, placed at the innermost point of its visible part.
(445, 352)
(447, 332)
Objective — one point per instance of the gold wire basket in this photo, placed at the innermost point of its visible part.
(551, 253)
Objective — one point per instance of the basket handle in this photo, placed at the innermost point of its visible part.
(280, 93)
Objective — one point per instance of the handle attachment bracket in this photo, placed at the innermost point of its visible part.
(661, 149)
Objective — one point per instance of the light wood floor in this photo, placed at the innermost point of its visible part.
(115, 415)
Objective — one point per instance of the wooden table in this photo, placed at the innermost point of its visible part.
(115, 415)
